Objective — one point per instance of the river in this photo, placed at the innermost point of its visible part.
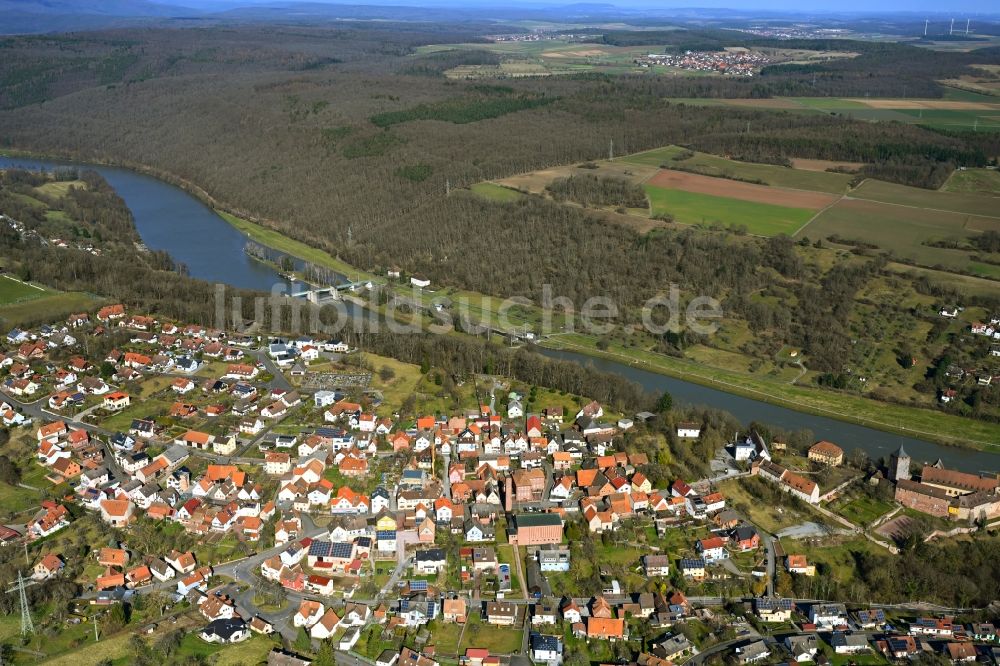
(170, 219)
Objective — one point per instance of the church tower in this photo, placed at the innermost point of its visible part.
(899, 465)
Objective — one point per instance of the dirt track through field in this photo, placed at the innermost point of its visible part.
(734, 189)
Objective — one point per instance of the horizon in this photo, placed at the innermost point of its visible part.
(917, 9)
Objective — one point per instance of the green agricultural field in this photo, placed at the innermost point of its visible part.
(15, 291)
(957, 119)
(908, 111)
(974, 181)
(901, 195)
(758, 218)
(904, 230)
(495, 192)
(770, 174)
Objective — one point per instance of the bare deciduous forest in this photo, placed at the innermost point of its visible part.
(315, 131)
(318, 131)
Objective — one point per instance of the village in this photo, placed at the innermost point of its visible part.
(278, 492)
(736, 62)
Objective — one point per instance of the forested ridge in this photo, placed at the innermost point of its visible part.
(345, 139)
(241, 115)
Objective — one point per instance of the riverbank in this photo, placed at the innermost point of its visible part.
(922, 423)
(297, 249)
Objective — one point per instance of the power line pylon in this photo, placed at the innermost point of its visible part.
(27, 626)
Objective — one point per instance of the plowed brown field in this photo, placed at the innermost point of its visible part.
(734, 189)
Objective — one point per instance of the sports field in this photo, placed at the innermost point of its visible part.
(758, 218)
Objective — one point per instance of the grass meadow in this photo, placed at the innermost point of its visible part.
(758, 218)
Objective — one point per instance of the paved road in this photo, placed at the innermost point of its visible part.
(39, 413)
(397, 573)
(725, 646)
(279, 381)
(768, 540)
(445, 476)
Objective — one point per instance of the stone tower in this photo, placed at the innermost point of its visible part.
(899, 465)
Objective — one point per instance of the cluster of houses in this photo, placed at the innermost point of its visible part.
(866, 629)
(470, 475)
(322, 622)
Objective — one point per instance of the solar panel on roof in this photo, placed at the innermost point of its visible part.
(341, 550)
(418, 585)
(320, 548)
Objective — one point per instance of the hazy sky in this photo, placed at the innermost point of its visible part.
(956, 8)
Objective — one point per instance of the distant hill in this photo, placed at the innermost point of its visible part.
(44, 16)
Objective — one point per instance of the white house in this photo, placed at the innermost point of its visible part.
(688, 430)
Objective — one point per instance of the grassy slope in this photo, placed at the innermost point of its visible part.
(282, 243)
(759, 218)
(13, 291)
(54, 306)
(974, 181)
(958, 202)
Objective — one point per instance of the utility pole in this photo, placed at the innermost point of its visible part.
(925, 27)
(95, 629)
(611, 151)
(27, 626)
(447, 187)
(951, 30)
(967, 27)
